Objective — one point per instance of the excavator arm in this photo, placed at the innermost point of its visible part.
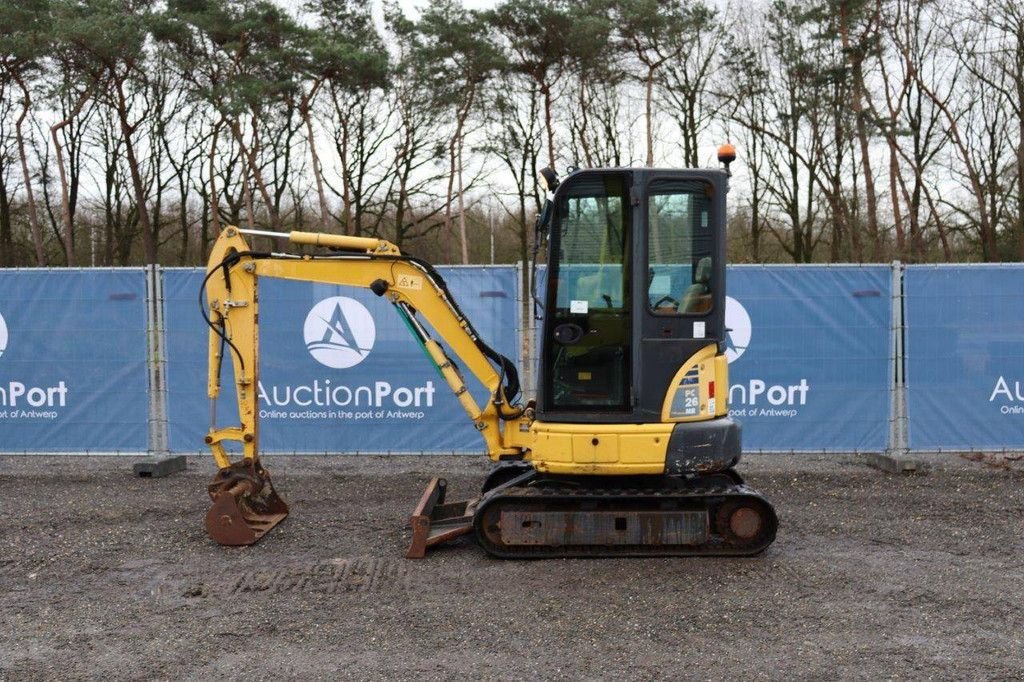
(245, 503)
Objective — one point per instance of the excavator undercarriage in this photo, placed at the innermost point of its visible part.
(532, 516)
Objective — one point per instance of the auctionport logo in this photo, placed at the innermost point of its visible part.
(339, 332)
(747, 398)
(737, 321)
(3, 336)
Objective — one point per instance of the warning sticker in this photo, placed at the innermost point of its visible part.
(409, 282)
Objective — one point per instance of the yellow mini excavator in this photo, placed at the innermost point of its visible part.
(628, 448)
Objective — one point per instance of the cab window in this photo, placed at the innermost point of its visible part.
(679, 247)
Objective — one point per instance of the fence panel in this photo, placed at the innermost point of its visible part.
(340, 373)
(810, 353)
(73, 361)
(810, 350)
(965, 356)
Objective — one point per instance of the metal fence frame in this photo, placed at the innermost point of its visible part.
(156, 362)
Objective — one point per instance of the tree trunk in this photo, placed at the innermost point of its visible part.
(870, 196)
(214, 202)
(649, 114)
(755, 203)
(148, 238)
(204, 227)
(462, 209)
(7, 259)
(545, 90)
(33, 214)
(446, 225)
(857, 92)
(348, 224)
(985, 227)
(947, 249)
(108, 207)
(584, 106)
(65, 197)
(894, 172)
(352, 226)
(455, 152)
(1020, 148)
(250, 207)
(325, 214)
(250, 160)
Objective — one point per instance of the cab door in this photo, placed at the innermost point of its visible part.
(587, 337)
(681, 248)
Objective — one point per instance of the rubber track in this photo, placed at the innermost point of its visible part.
(709, 498)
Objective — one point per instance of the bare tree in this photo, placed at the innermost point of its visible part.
(995, 60)
(25, 33)
(685, 82)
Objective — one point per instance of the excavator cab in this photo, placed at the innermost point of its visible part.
(628, 449)
(635, 286)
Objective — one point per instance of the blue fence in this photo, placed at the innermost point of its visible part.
(810, 356)
(73, 374)
(965, 357)
(817, 356)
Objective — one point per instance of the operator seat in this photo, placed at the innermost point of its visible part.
(602, 288)
(697, 298)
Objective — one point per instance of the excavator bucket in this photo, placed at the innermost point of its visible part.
(434, 521)
(245, 505)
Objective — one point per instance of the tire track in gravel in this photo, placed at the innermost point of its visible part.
(168, 585)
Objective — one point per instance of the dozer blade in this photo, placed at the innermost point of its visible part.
(245, 506)
(434, 521)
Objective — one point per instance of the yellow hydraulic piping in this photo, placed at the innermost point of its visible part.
(454, 381)
(340, 242)
(344, 242)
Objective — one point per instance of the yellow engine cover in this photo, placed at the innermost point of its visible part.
(612, 449)
(599, 448)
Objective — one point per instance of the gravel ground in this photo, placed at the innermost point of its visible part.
(872, 576)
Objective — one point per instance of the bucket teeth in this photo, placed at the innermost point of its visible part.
(245, 505)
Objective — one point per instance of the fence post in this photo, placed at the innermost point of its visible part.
(898, 422)
(159, 461)
(525, 329)
(896, 457)
(160, 362)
